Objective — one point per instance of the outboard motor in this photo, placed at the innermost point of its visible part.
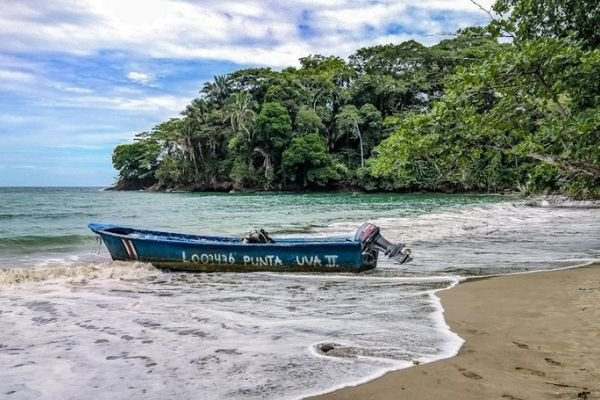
(370, 237)
(257, 236)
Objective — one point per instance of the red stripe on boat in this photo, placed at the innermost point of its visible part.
(128, 248)
(133, 250)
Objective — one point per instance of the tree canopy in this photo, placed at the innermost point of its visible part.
(467, 114)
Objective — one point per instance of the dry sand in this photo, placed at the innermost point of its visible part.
(527, 336)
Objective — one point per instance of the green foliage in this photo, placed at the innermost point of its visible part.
(371, 127)
(136, 161)
(543, 178)
(526, 105)
(219, 90)
(531, 19)
(308, 121)
(254, 81)
(273, 126)
(273, 129)
(240, 112)
(306, 160)
(242, 173)
(173, 171)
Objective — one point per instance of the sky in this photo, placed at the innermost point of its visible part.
(78, 77)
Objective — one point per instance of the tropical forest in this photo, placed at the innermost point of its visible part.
(513, 106)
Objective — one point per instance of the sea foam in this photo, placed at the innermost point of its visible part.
(77, 273)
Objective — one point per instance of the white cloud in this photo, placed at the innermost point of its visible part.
(11, 119)
(14, 76)
(67, 140)
(23, 166)
(254, 32)
(69, 88)
(151, 103)
(160, 105)
(140, 77)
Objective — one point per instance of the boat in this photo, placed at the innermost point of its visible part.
(256, 251)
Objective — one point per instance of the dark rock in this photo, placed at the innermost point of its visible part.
(326, 347)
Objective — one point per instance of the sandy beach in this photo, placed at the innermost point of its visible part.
(527, 336)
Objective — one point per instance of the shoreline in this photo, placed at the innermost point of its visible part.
(527, 335)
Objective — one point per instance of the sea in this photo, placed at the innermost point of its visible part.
(74, 324)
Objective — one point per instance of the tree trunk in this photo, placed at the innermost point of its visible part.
(267, 160)
(362, 155)
(571, 166)
(567, 165)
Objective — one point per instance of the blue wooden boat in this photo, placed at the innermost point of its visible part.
(254, 252)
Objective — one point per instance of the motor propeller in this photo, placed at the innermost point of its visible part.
(370, 236)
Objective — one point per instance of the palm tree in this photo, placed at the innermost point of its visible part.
(212, 136)
(240, 112)
(198, 110)
(187, 135)
(219, 90)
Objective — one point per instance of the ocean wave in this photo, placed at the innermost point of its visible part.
(440, 224)
(42, 242)
(296, 229)
(44, 214)
(78, 273)
(561, 202)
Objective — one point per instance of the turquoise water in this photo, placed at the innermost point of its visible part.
(75, 324)
(52, 222)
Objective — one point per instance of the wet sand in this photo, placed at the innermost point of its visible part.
(527, 336)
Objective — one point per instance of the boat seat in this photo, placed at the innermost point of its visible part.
(120, 231)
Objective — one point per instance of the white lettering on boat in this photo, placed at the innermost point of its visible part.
(312, 261)
(331, 261)
(208, 258)
(260, 261)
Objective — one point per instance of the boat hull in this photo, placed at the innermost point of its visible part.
(212, 254)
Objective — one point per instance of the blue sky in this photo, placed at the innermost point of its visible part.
(78, 77)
